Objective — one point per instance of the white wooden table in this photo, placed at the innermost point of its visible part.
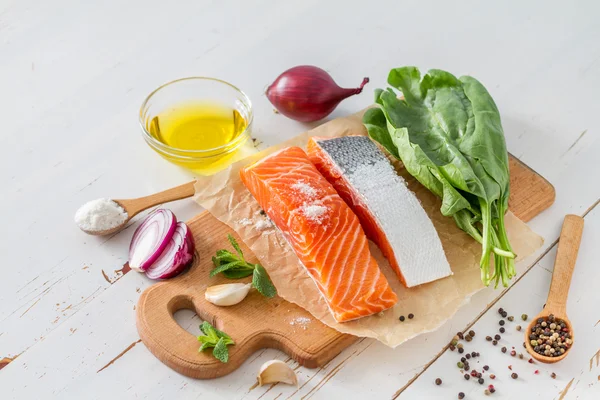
(72, 77)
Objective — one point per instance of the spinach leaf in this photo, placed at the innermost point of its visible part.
(448, 134)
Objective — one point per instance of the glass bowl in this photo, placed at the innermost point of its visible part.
(181, 92)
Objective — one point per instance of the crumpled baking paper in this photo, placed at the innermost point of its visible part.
(225, 196)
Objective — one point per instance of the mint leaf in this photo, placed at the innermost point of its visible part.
(225, 267)
(206, 346)
(236, 246)
(262, 282)
(238, 273)
(220, 351)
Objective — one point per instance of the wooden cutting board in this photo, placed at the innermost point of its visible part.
(258, 322)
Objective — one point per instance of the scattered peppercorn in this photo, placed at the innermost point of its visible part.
(530, 361)
(492, 376)
(488, 338)
(480, 380)
(500, 310)
(401, 318)
(494, 342)
(454, 342)
(460, 345)
(518, 328)
(467, 367)
(510, 367)
(513, 353)
(438, 381)
(501, 322)
(460, 364)
(468, 356)
(477, 354)
(487, 392)
(553, 375)
(497, 337)
(461, 395)
(504, 314)
(502, 330)
(463, 359)
(514, 375)
(537, 371)
(503, 349)
(473, 354)
(468, 338)
(452, 348)
(521, 356)
(479, 374)
(486, 367)
(524, 317)
(461, 350)
(460, 335)
(472, 333)
(492, 388)
(411, 316)
(511, 318)
(467, 376)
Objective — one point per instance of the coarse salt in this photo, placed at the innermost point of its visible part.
(314, 212)
(263, 225)
(245, 221)
(301, 321)
(305, 188)
(100, 215)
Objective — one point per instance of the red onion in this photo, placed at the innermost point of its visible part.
(307, 93)
(150, 239)
(176, 255)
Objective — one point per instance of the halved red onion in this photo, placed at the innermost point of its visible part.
(151, 238)
(175, 257)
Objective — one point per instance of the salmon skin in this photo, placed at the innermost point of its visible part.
(389, 212)
(323, 231)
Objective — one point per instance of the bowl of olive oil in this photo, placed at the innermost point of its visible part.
(199, 123)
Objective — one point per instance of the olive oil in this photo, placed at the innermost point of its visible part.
(198, 126)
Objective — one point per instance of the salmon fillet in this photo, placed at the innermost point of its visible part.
(389, 212)
(323, 231)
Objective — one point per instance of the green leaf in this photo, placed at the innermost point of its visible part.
(236, 246)
(225, 267)
(238, 273)
(206, 345)
(220, 351)
(262, 282)
(448, 134)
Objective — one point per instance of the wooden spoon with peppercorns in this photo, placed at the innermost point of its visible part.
(552, 323)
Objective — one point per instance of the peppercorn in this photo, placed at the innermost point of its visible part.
(553, 375)
(530, 361)
(401, 318)
(461, 395)
(514, 375)
(467, 367)
(472, 333)
(468, 356)
(502, 330)
(468, 338)
(497, 337)
(513, 353)
(460, 335)
(452, 348)
(461, 350)
(501, 322)
(504, 314)
(460, 345)
(486, 367)
(524, 317)
(488, 338)
(518, 328)
(521, 356)
(492, 389)
(467, 376)
(494, 342)
(473, 354)
(511, 318)
(480, 380)
(460, 364)
(477, 354)
(503, 349)
(438, 381)
(411, 316)
(492, 376)
(487, 392)
(463, 359)
(454, 342)
(500, 310)
(479, 374)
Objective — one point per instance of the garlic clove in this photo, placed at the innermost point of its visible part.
(227, 294)
(275, 371)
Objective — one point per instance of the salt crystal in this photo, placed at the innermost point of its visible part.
(314, 211)
(245, 222)
(301, 321)
(263, 225)
(305, 188)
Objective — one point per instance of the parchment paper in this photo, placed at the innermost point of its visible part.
(225, 196)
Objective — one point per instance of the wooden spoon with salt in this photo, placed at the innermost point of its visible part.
(134, 206)
(568, 247)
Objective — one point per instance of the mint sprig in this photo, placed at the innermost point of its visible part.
(215, 339)
(235, 266)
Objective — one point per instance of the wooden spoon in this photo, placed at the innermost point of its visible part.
(568, 247)
(135, 206)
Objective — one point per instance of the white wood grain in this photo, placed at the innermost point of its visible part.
(72, 77)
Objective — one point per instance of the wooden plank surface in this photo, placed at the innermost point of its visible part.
(72, 84)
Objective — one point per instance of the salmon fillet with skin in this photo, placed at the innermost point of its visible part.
(323, 232)
(389, 212)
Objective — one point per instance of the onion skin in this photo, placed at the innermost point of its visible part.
(307, 93)
(166, 222)
(176, 256)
